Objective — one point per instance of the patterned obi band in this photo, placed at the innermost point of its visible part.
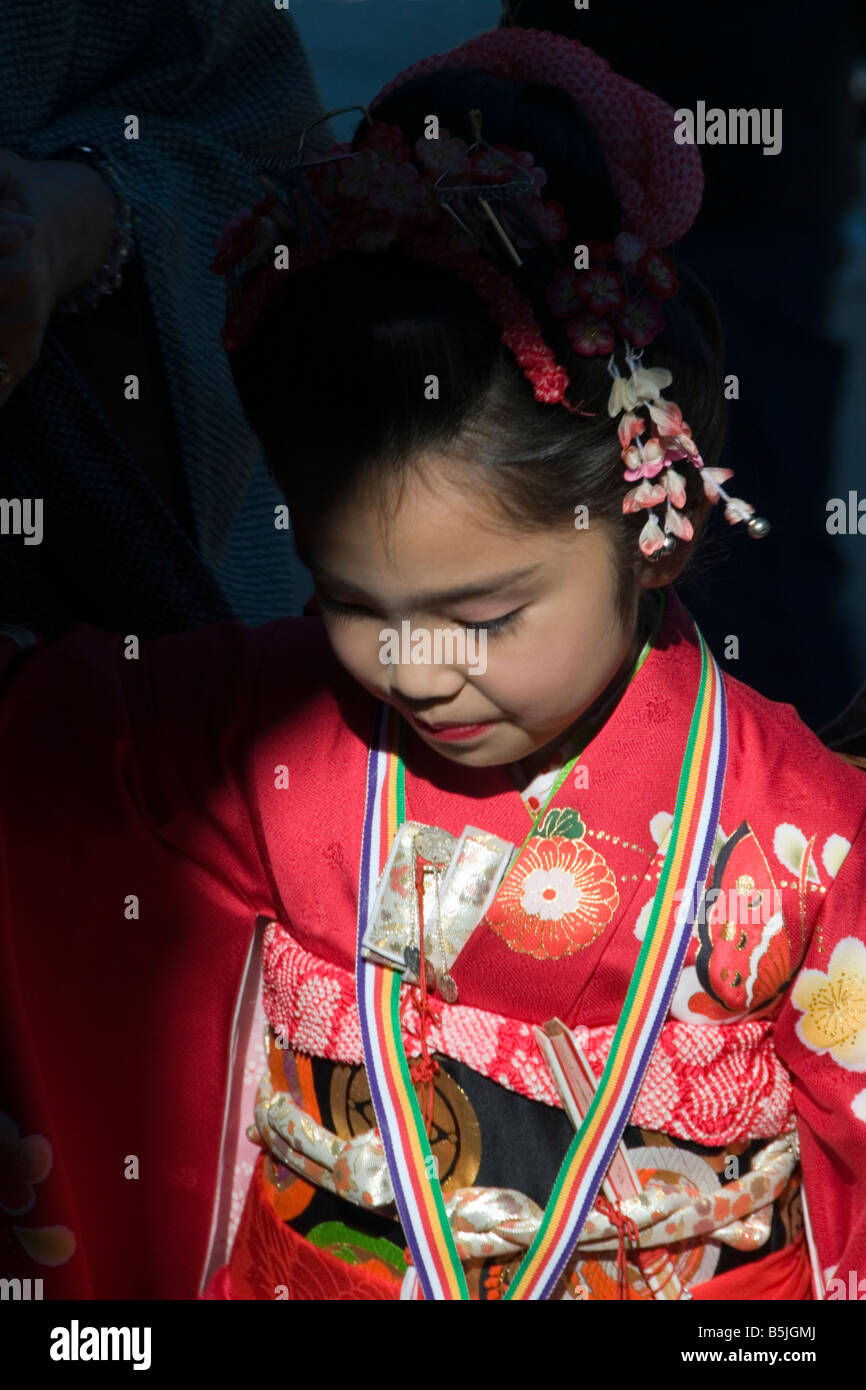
(712, 1140)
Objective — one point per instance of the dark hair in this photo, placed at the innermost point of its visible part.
(333, 377)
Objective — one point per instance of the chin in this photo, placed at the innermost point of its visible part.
(484, 754)
(471, 757)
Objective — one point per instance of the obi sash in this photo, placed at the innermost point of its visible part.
(711, 1086)
(270, 1260)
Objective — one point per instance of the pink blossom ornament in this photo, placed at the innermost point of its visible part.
(738, 510)
(646, 494)
(667, 415)
(629, 427)
(678, 524)
(712, 478)
(447, 153)
(396, 189)
(651, 537)
(674, 485)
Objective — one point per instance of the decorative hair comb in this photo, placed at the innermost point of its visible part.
(438, 207)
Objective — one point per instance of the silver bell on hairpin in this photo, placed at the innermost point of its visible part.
(667, 548)
(758, 527)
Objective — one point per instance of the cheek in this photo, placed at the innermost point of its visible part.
(562, 661)
(356, 647)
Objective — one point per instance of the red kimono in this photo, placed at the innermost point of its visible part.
(155, 805)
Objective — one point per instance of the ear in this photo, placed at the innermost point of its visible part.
(655, 574)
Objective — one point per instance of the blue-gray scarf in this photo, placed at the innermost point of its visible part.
(210, 82)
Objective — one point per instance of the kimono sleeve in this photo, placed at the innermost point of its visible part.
(821, 1037)
(157, 736)
(130, 877)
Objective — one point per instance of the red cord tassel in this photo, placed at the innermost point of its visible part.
(625, 1230)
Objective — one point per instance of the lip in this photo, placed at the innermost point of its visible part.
(450, 733)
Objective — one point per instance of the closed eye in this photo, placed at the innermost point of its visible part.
(334, 605)
(494, 625)
(357, 610)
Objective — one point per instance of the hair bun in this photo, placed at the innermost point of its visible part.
(659, 183)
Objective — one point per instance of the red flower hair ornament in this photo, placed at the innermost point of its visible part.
(465, 206)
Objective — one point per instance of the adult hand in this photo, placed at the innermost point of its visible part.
(56, 222)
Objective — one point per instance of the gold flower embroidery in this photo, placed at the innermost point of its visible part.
(834, 1006)
(556, 900)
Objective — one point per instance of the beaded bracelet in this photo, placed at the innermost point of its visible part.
(109, 276)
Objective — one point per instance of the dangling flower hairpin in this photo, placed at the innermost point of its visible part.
(601, 304)
(649, 461)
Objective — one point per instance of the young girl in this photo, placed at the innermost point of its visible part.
(559, 947)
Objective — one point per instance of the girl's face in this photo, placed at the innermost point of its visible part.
(542, 602)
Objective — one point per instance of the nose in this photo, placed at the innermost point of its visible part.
(422, 678)
(424, 683)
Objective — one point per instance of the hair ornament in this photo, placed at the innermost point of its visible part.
(375, 196)
(472, 208)
(649, 461)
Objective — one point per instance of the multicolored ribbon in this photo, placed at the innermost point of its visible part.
(417, 1191)
(412, 1167)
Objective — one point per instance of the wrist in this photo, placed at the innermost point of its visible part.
(76, 210)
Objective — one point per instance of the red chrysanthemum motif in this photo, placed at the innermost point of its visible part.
(557, 899)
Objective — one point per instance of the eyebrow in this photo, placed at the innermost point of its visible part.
(482, 589)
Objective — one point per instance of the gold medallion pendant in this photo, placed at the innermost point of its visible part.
(455, 1136)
